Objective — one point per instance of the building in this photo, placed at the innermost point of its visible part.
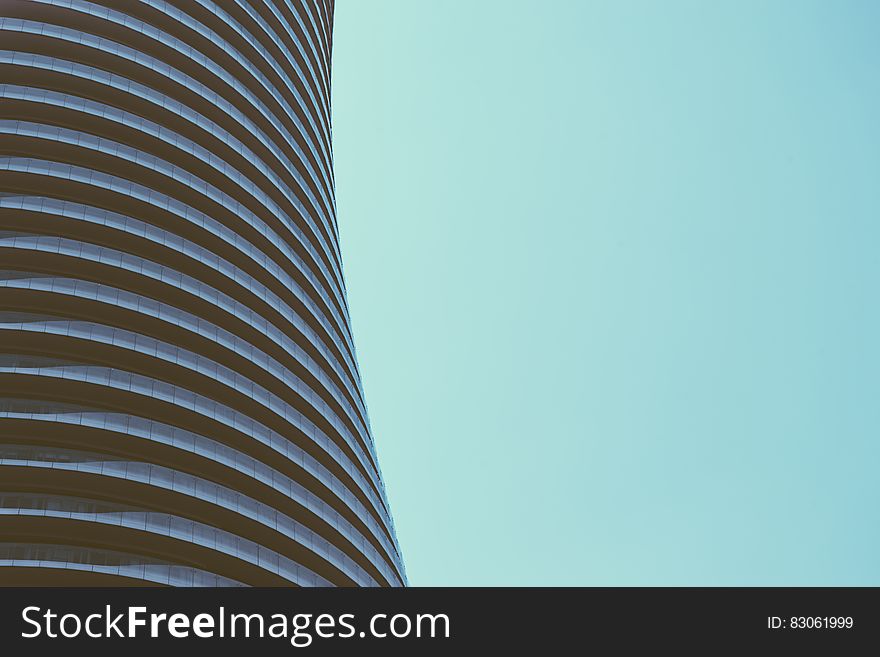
(180, 400)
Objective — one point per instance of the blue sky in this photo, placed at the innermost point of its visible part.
(613, 271)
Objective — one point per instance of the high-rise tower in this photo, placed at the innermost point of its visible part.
(180, 401)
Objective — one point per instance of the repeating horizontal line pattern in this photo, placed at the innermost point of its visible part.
(180, 399)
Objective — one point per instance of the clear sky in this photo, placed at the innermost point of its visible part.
(614, 272)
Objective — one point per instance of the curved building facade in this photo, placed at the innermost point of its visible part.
(180, 402)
